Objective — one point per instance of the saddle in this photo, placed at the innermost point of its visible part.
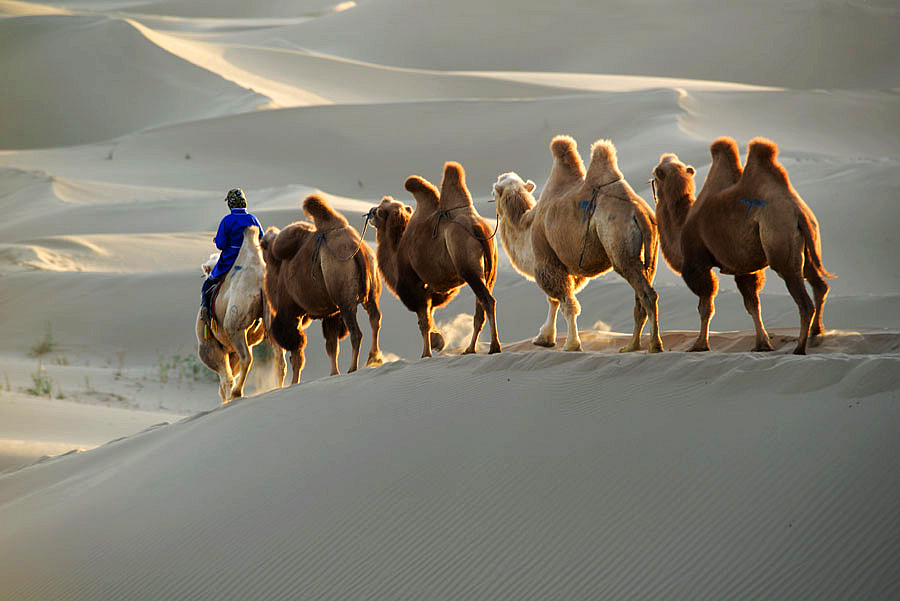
(213, 324)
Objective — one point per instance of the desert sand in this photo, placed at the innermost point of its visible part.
(532, 474)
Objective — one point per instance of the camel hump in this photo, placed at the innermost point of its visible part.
(762, 150)
(321, 212)
(453, 186)
(421, 188)
(604, 151)
(565, 151)
(724, 147)
(762, 155)
(454, 174)
(604, 167)
(562, 146)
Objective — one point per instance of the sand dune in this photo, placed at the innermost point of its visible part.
(533, 474)
(681, 475)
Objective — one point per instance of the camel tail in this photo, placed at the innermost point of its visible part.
(490, 273)
(649, 240)
(809, 228)
(366, 286)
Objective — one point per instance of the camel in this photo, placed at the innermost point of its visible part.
(321, 270)
(241, 312)
(584, 224)
(742, 222)
(427, 255)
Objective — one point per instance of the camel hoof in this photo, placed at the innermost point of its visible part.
(800, 350)
(544, 343)
(494, 350)
(375, 361)
(469, 351)
(655, 348)
(573, 349)
(699, 348)
(437, 341)
(630, 348)
(763, 348)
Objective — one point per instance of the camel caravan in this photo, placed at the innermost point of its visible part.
(584, 223)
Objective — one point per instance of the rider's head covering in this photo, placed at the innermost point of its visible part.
(236, 199)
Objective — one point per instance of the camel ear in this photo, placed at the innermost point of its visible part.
(690, 170)
(529, 185)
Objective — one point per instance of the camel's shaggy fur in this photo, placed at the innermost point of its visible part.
(321, 270)
(561, 245)
(426, 255)
(742, 222)
(242, 315)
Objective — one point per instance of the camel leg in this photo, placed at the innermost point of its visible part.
(797, 288)
(375, 357)
(702, 282)
(279, 366)
(298, 360)
(547, 334)
(477, 326)
(438, 299)
(348, 314)
(557, 285)
(213, 356)
(485, 304)
(640, 318)
(749, 285)
(425, 315)
(645, 306)
(820, 291)
(332, 328)
(245, 358)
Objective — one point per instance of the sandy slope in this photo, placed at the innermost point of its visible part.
(529, 475)
(523, 476)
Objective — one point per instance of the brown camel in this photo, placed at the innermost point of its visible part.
(240, 311)
(322, 271)
(584, 224)
(426, 255)
(742, 222)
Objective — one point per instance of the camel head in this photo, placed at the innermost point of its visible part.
(454, 192)
(672, 179)
(210, 263)
(512, 195)
(321, 213)
(423, 191)
(390, 217)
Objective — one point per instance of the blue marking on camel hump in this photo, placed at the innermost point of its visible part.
(750, 203)
(237, 267)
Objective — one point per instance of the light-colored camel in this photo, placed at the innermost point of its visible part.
(240, 313)
(584, 224)
(426, 255)
(742, 222)
(322, 271)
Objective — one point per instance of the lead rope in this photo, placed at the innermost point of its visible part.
(321, 240)
(445, 214)
(590, 207)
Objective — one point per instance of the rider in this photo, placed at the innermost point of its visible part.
(228, 239)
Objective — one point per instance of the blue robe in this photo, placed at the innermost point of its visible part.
(229, 239)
